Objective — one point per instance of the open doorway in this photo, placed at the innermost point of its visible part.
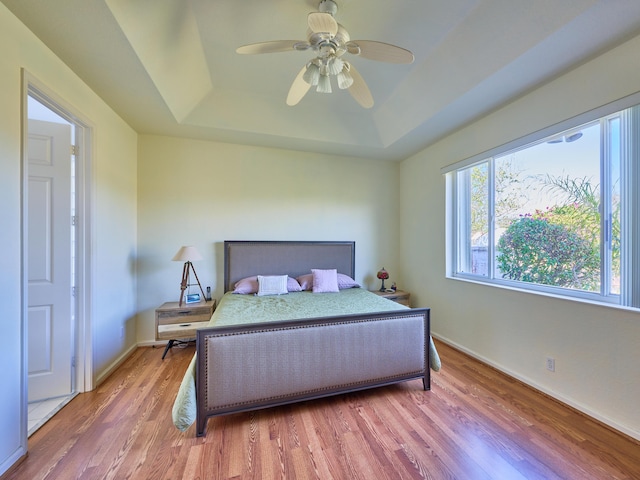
(54, 265)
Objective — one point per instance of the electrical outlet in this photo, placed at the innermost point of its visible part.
(551, 364)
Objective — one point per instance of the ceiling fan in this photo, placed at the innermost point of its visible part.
(330, 41)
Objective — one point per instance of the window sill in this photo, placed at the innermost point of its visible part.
(543, 293)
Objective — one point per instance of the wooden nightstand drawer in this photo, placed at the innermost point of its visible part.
(174, 322)
(398, 296)
(179, 330)
(173, 315)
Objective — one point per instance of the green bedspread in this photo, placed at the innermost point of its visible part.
(245, 309)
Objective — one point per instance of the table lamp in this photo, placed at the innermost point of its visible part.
(382, 275)
(187, 255)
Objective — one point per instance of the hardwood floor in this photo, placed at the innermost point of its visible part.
(475, 423)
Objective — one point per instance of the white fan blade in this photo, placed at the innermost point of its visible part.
(268, 47)
(382, 52)
(322, 23)
(299, 89)
(359, 89)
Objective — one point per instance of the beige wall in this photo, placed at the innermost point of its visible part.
(113, 208)
(595, 347)
(202, 193)
(150, 195)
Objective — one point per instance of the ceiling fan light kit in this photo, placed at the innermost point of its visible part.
(330, 41)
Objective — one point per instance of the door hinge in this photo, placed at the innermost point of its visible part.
(73, 291)
(74, 150)
(74, 220)
(73, 361)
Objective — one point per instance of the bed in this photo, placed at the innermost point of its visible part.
(314, 345)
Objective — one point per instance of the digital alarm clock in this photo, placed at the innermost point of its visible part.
(192, 298)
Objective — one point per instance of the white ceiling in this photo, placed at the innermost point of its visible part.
(169, 67)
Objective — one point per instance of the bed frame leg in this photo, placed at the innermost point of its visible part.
(201, 427)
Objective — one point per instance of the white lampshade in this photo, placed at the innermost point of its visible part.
(345, 80)
(324, 84)
(335, 65)
(187, 254)
(312, 74)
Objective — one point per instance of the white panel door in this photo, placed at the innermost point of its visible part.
(50, 311)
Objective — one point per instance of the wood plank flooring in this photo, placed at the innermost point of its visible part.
(475, 423)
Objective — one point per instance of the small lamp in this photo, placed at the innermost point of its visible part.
(187, 255)
(382, 275)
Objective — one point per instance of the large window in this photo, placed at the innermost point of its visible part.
(558, 215)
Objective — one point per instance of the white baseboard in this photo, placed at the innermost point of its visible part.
(120, 360)
(567, 401)
(111, 368)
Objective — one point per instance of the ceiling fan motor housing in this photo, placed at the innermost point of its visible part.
(328, 6)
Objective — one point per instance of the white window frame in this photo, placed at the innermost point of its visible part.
(630, 208)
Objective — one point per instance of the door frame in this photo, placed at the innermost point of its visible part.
(83, 344)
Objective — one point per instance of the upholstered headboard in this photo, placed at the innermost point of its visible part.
(243, 258)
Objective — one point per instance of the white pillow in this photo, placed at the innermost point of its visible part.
(272, 285)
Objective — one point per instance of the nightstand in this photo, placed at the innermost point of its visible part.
(175, 323)
(398, 296)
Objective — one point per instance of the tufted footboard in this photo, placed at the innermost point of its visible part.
(264, 365)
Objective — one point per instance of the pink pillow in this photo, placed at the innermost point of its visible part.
(293, 285)
(344, 281)
(305, 281)
(325, 281)
(250, 285)
(246, 286)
